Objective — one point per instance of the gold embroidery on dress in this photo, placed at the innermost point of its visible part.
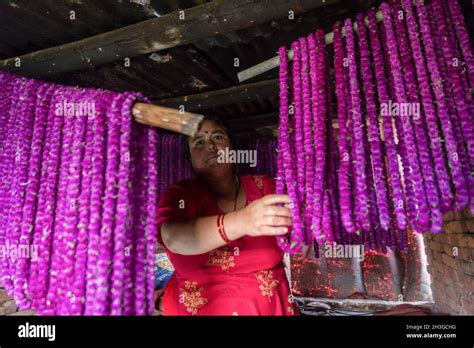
(258, 181)
(267, 283)
(291, 310)
(191, 297)
(221, 257)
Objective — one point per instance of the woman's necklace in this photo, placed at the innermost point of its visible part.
(237, 189)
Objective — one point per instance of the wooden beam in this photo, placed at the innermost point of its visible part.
(272, 63)
(225, 96)
(244, 124)
(166, 118)
(174, 29)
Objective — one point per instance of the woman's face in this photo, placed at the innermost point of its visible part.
(204, 148)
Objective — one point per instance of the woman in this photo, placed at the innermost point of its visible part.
(219, 233)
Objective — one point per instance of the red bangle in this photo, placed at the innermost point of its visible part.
(221, 229)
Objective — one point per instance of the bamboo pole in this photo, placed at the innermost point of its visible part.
(274, 62)
(167, 118)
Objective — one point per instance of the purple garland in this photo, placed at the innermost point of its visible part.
(398, 200)
(151, 218)
(57, 290)
(11, 141)
(421, 220)
(442, 175)
(104, 270)
(376, 149)
(139, 230)
(329, 190)
(54, 197)
(45, 92)
(282, 241)
(7, 154)
(77, 284)
(122, 213)
(344, 154)
(418, 122)
(34, 290)
(42, 275)
(319, 124)
(444, 43)
(73, 190)
(96, 209)
(359, 156)
(6, 81)
(291, 243)
(462, 198)
(128, 301)
(466, 47)
(306, 72)
(24, 121)
(298, 134)
(442, 9)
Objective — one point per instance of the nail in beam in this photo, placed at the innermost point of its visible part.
(272, 63)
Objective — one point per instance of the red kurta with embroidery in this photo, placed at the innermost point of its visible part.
(246, 277)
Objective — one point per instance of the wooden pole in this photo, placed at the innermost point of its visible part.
(171, 119)
(272, 63)
(177, 28)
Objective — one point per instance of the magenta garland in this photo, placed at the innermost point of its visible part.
(287, 161)
(319, 125)
(82, 190)
(403, 148)
(359, 156)
(418, 122)
(297, 119)
(67, 194)
(345, 199)
(457, 91)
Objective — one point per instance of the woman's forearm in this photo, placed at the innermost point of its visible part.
(199, 235)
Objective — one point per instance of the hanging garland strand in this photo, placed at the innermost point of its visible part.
(296, 235)
(449, 59)
(308, 149)
(359, 156)
(461, 197)
(419, 123)
(376, 149)
(319, 124)
(421, 221)
(398, 200)
(344, 153)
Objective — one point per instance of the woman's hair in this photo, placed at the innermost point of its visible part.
(222, 124)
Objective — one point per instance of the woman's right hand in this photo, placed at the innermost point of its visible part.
(263, 217)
